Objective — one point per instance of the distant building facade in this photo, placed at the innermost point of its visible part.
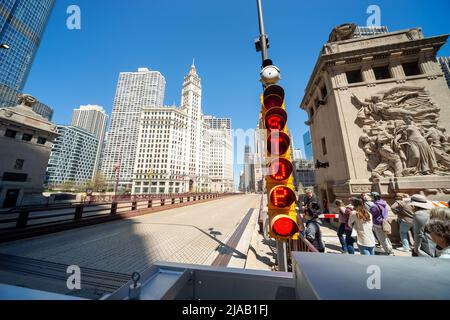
(26, 140)
(221, 159)
(308, 146)
(93, 119)
(249, 170)
(135, 91)
(369, 31)
(180, 150)
(304, 175)
(72, 158)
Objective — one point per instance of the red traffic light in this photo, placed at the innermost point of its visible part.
(276, 119)
(280, 169)
(278, 143)
(273, 97)
(284, 226)
(282, 197)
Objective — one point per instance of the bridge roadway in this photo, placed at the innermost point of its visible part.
(190, 234)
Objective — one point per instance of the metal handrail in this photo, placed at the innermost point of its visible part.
(301, 245)
(77, 211)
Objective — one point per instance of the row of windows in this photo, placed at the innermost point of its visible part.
(9, 133)
(355, 76)
(383, 72)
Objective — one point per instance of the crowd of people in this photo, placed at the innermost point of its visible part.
(423, 228)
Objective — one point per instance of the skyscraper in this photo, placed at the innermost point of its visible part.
(135, 91)
(445, 66)
(308, 146)
(198, 149)
(180, 150)
(93, 119)
(22, 24)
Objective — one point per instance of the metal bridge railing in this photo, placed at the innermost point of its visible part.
(23, 222)
(301, 245)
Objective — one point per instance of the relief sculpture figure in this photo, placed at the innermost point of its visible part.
(401, 133)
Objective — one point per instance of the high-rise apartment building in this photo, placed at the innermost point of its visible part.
(445, 66)
(135, 91)
(22, 24)
(73, 156)
(93, 119)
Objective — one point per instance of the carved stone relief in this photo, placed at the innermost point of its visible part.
(401, 136)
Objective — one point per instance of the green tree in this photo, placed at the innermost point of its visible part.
(98, 182)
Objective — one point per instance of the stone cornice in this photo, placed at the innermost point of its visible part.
(10, 115)
(329, 60)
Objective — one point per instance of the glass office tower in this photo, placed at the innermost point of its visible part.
(22, 24)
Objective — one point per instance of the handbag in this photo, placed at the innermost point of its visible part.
(385, 224)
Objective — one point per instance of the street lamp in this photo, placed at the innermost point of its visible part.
(5, 46)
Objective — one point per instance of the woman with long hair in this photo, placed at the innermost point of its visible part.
(361, 220)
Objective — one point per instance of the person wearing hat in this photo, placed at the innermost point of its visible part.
(380, 213)
(423, 243)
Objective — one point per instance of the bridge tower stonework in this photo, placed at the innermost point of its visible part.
(379, 114)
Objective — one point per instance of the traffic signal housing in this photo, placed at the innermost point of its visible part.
(279, 174)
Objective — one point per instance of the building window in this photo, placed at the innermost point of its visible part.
(411, 68)
(382, 73)
(41, 140)
(10, 133)
(27, 137)
(19, 164)
(323, 92)
(324, 146)
(354, 76)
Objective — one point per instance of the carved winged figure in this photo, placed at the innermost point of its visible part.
(404, 123)
(397, 104)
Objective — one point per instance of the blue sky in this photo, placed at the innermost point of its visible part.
(75, 67)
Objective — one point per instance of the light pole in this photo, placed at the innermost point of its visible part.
(263, 39)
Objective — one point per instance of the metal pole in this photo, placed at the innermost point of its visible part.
(262, 31)
(282, 256)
